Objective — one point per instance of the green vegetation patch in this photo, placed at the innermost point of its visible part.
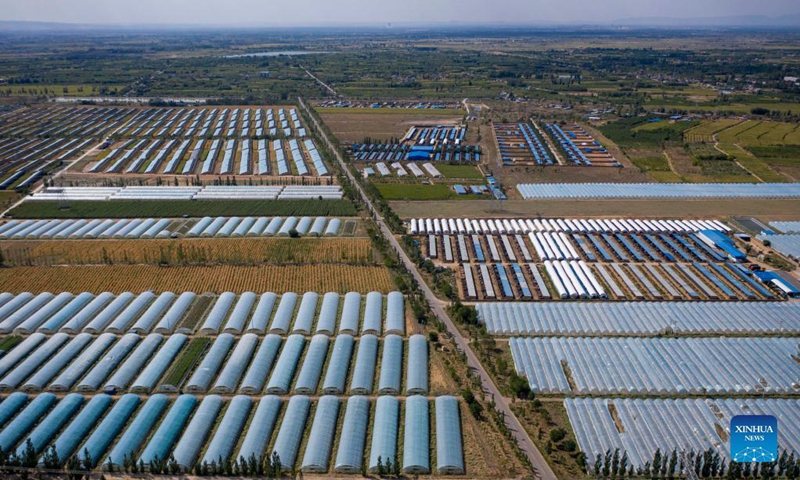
(419, 192)
(653, 163)
(178, 208)
(460, 171)
(637, 132)
(187, 359)
(8, 343)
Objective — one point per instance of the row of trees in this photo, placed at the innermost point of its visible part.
(706, 464)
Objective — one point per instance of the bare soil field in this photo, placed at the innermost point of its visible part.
(354, 127)
(763, 208)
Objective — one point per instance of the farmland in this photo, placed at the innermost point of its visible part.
(242, 251)
(178, 208)
(380, 124)
(139, 278)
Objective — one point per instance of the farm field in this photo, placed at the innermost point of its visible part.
(460, 172)
(178, 208)
(139, 278)
(236, 251)
(417, 192)
(380, 125)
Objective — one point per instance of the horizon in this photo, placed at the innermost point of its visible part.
(359, 13)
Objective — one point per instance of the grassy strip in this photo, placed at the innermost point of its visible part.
(8, 343)
(429, 112)
(755, 165)
(459, 171)
(184, 363)
(178, 208)
(418, 192)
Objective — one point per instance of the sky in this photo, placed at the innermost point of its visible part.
(355, 12)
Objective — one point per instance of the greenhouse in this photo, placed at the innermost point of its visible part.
(320, 440)
(240, 314)
(205, 373)
(149, 317)
(326, 323)
(638, 318)
(308, 378)
(395, 315)
(78, 367)
(50, 425)
(170, 319)
(373, 314)
(256, 439)
(350, 454)
(385, 429)
(338, 366)
(22, 350)
(77, 322)
(98, 374)
(213, 322)
(33, 361)
(136, 432)
(260, 320)
(256, 376)
(449, 453)
(417, 366)
(237, 363)
(364, 371)
(416, 441)
(134, 362)
(45, 374)
(146, 380)
(661, 366)
(109, 428)
(30, 323)
(351, 313)
(60, 317)
(67, 442)
(391, 365)
(221, 446)
(132, 311)
(648, 425)
(21, 425)
(284, 313)
(282, 375)
(194, 437)
(169, 430)
(305, 313)
(291, 431)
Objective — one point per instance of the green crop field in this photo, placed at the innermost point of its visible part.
(178, 208)
(460, 171)
(180, 368)
(418, 192)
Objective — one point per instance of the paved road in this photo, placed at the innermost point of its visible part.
(489, 388)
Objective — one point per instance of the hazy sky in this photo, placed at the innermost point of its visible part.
(321, 12)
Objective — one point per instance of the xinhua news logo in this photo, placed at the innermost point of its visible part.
(754, 438)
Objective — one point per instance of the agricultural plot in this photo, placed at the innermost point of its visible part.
(522, 144)
(660, 366)
(633, 319)
(637, 428)
(149, 228)
(67, 313)
(579, 147)
(243, 251)
(161, 428)
(140, 278)
(354, 126)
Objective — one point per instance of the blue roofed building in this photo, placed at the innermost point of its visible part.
(719, 240)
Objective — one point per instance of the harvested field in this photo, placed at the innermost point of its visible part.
(238, 279)
(201, 251)
(354, 127)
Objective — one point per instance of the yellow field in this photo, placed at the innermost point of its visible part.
(705, 131)
(275, 251)
(238, 279)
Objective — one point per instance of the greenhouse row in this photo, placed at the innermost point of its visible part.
(263, 226)
(786, 227)
(657, 366)
(166, 313)
(87, 364)
(640, 427)
(658, 190)
(438, 226)
(788, 244)
(244, 192)
(208, 430)
(639, 318)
